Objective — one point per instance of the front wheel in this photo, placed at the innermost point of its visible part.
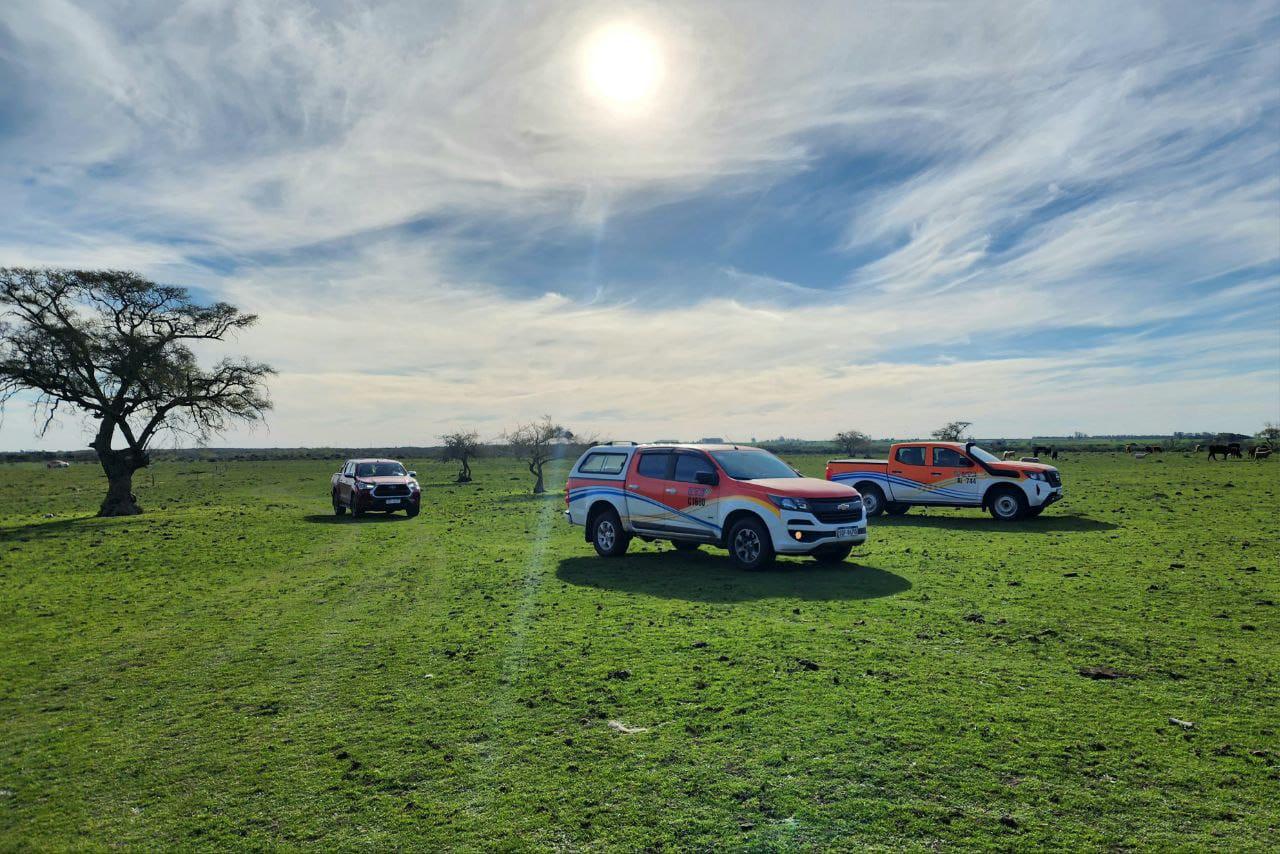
(832, 554)
(1008, 505)
(338, 509)
(750, 546)
(356, 510)
(607, 535)
(872, 499)
(411, 512)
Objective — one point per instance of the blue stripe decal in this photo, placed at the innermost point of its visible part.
(890, 480)
(587, 491)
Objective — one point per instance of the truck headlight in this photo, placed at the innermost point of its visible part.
(1035, 475)
(786, 502)
(365, 485)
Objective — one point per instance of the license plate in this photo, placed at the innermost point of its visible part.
(845, 533)
(393, 500)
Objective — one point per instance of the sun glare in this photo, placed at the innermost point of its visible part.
(622, 66)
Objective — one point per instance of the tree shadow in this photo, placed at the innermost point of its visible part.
(526, 497)
(375, 516)
(56, 528)
(708, 577)
(1039, 525)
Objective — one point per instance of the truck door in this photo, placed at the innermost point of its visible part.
(909, 474)
(954, 476)
(697, 501)
(650, 490)
(345, 483)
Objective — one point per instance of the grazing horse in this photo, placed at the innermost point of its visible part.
(1007, 455)
(1128, 447)
(1261, 452)
(1227, 451)
(1037, 449)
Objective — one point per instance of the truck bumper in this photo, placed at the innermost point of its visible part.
(1052, 496)
(802, 533)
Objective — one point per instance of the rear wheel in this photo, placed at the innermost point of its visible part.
(607, 534)
(1008, 505)
(750, 546)
(685, 545)
(872, 498)
(895, 508)
(832, 554)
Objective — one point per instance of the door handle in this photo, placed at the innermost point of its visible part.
(895, 471)
(936, 473)
(633, 486)
(670, 490)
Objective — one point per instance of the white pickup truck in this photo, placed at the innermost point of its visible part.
(736, 497)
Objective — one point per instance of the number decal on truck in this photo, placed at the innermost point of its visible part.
(698, 496)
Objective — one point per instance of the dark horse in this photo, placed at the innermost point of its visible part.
(1226, 451)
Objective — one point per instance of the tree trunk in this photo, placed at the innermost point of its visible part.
(538, 488)
(119, 467)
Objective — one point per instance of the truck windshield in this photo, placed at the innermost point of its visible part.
(985, 456)
(379, 470)
(743, 464)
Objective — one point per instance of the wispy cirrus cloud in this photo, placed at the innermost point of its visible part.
(821, 214)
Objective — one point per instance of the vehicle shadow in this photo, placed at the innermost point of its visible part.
(330, 519)
(1040, 525)
(710, 577)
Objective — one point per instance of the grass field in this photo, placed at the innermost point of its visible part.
(238, 668)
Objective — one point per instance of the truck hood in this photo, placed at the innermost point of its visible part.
(378, 481)
(803, 487)
(1022, 467)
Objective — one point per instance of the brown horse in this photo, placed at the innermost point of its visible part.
(1261, 452)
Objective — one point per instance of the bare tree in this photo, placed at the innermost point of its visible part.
(1269, 434)
(952, 432)
(463, 446)
(851, 440)
(538, 443)
(117, 347)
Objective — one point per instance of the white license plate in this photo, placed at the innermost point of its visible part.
(846, 533)
(393, 500)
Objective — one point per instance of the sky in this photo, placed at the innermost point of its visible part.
(673, 220)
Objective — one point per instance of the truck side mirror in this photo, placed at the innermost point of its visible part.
(413, 474)
(706, 478)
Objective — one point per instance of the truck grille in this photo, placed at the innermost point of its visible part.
(391, 490)
(830, 512)
(1053, 477)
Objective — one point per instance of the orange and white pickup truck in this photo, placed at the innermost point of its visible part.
(949, 474)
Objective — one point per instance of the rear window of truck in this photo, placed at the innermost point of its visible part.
(603, 464)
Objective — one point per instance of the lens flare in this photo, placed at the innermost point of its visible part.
(622, 66)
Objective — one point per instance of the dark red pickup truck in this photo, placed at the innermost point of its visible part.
(370, 484)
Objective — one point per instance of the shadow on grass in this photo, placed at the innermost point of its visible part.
(526, 497)
(1040, 525)
(710, 577)
(369, 516)
(57, 527)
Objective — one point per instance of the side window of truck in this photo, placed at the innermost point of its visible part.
(950, 458)
(603, 464)
(654, 464)
(910, 456)
(688, 466)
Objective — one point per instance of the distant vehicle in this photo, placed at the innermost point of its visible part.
(375, 485)
(949, 474)
(57, 464)
(740, 498)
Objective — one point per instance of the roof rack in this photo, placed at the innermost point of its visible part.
(620, 442)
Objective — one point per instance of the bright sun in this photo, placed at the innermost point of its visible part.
(622, 65)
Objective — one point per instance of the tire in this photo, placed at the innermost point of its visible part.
(832, 554)
(896, 508)
(750, 546)
(356, 512)
(411, 512)
(1007, 505)
(872, 499)
(685, 545)
(338, 509)
(607, 534)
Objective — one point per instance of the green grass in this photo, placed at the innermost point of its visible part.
(237, 668)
